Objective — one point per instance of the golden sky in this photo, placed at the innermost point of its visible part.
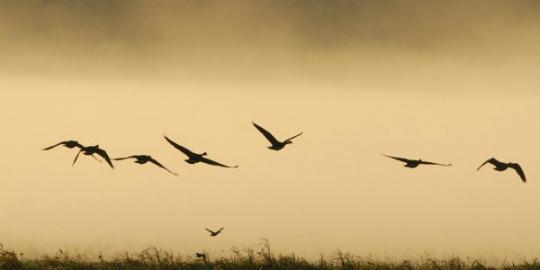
(447, 81)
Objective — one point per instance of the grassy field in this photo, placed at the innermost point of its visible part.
(262, 259)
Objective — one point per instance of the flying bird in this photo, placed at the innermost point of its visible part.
(68, 144)
(194, 157)
(501, 166)
(200, 256)
(214, 233)
(412, 163)
(276, 145)
(90, 150)
(142, 159)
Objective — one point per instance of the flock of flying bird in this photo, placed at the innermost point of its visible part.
(275, 145)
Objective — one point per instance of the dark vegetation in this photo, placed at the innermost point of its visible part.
(262, 259)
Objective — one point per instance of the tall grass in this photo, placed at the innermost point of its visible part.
(248, 259)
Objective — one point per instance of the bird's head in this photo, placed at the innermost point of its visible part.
(288, 142)
(204, 154)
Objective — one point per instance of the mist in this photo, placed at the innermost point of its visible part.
(265, 40)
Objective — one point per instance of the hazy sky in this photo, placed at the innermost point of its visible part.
(448, 81)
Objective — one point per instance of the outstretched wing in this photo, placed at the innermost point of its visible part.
(398, 158)
(210, 231)
(289, 139)
(124, 158)
(76, 157)
(215, 163)
(519, 170)
(161, 166)
(52, 146)
(492, 161)
(96, 158)
(434, 163)
(69, 144)
(104, 155)
(219, 231)
(182, 149)
(267, 134)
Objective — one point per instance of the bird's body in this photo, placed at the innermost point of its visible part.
(91, 150)
(214, 233)
(413, 163)
(276, 145)
(200, 255)
(196, 158)
(501, 166)
(143, 159)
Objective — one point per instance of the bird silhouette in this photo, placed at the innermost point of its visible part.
(276, 145)
(194, 157)
(214, 233)
(68, 144)
(200, 255)
(90, 150)
(412, 163)
(142, 159)
(501, 166)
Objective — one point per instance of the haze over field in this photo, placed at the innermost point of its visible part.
(444, 81)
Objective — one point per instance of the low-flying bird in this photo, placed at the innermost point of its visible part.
(276, 145)
(68, 144)
(200, 255)
(142, 159)
(501, 166)
(90, 150)
(413, 163)
(214, 233)
(194, 157)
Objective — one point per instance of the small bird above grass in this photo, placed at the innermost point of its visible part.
(200, 255)
(214, 233)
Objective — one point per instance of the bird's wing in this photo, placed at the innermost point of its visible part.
(123, 158)
(53, 146)
(210, 231)
(267, 134)
(397, 158)
(161, 166)
(211, 162)
(104, 155)
(182, 149)
(491, 160)
(96, 158)
(77, 157)
(219, 231)
(434, 163)
(519, 170)
(294, 136)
